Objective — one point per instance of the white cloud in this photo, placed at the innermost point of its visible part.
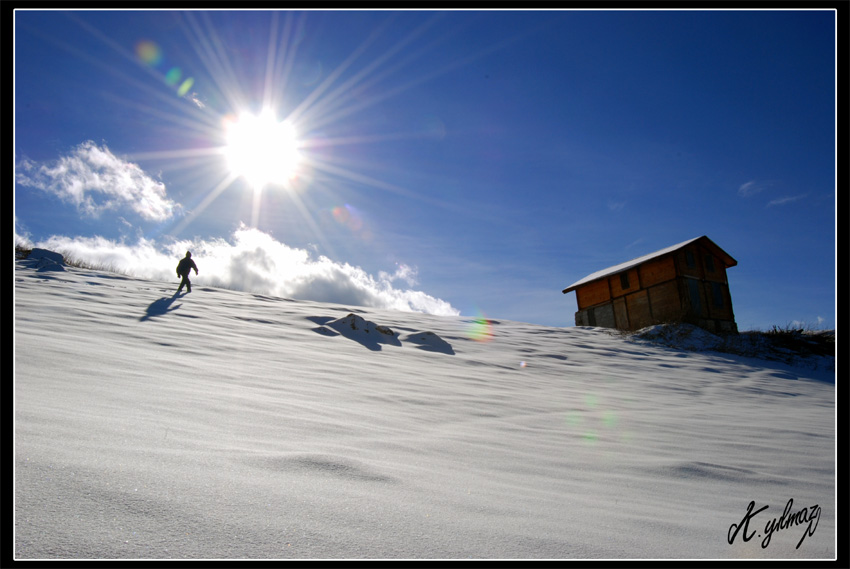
(22, 235)
(403, 272)
(254, 261)
(750, 188)
(95, 180)
(195, 98)
(785, 200)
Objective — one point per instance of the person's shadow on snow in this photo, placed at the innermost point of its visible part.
(161, 306)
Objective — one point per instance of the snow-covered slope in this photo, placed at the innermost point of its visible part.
(222, 424)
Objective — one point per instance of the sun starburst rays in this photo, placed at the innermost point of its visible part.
(236, 140)
(262, 149)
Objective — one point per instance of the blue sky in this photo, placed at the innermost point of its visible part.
(472, 162)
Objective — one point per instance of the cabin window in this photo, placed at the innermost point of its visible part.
(717, 294)
(689, 259)
(624, 280)
(693, 292)
(709, 263)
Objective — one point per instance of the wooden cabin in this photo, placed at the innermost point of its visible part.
(682, 283)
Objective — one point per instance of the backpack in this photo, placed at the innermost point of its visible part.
(183, 267)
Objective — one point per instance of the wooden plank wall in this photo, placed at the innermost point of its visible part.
(593, 293)
(641, 277)
(665, 301)
(657, 271)
(640, 314)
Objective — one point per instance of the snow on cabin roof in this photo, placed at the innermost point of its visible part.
(730, 262)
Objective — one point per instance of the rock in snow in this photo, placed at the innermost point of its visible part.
(45, 260)
(372, 335)
(357, 328)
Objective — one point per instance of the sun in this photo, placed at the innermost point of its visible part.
(262, 149)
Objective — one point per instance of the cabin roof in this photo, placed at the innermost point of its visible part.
(725, 257)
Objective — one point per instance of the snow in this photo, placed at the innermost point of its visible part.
(684, 336)
(227, 425)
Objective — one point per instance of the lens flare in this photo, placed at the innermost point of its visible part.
(480, 329)
(184, 88)
(592, 423)
(348, 216)
(149, 52)
(173, 76)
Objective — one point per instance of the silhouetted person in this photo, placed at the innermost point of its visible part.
(184, 267)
